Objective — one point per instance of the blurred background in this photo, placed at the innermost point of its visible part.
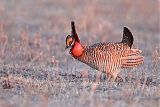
(95, 20)
(33, 33)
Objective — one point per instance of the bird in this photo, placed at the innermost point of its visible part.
(106, 57)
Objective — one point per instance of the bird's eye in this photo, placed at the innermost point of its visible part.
(69, 41)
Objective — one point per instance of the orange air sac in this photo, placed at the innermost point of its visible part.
(77, 49)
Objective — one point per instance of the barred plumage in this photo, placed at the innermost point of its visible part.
(106, 57)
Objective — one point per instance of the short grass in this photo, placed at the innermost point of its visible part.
(37, 71)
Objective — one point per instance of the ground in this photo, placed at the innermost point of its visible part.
(37, 71)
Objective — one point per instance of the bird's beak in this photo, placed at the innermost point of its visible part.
(66, 47)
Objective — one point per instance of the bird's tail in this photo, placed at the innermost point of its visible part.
(132, 59)
(127, 37)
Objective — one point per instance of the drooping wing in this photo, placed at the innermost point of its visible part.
(111, 47)
(105, 59)
(102, 57)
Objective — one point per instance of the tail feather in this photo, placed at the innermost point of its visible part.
(131, 65)
(132, 59)
(134, 52)
(127, 37)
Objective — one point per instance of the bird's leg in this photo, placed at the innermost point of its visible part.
(115, 76)
(96, 82)
(112, 77)
(108, 77)
(98, 77)
(109, 80)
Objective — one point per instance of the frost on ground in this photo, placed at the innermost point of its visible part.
(36, 70)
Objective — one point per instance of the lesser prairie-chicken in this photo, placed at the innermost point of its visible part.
(105, 57)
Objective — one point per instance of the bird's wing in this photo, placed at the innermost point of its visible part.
(111, 47)
(105, 59)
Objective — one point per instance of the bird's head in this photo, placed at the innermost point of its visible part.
(73, 42)
(70, 41)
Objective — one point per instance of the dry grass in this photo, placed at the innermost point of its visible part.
(36, 71)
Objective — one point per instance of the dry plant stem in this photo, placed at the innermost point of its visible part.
(144, 84)
(155, 58)
(95, 84)
(57, 70)
(4, 46)
(109, 81)
(85, 83)
(45, 100)
(35, 58)
(56, 63)
(25, 102)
